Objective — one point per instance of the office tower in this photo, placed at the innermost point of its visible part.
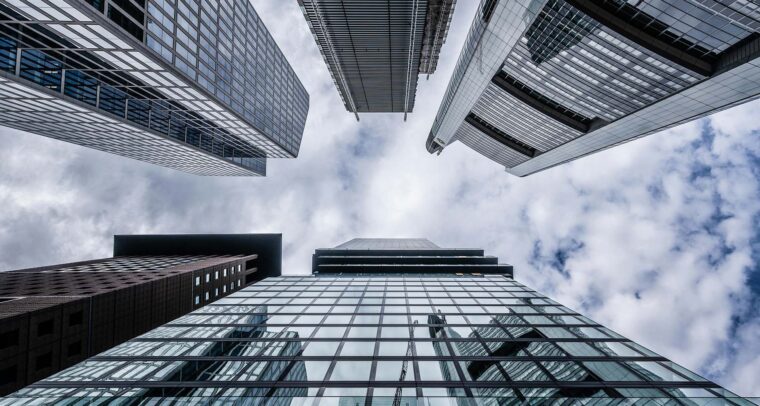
(198, 86)
(388, 322)
(375, 50)
(55, 316)
(544, 82)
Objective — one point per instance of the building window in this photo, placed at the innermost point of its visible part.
(208, 277)
(216, 275)
(238, 282)
(224, 289)
(197, 281)
(224, 272)
(76, 319)
(44, 361)
(206, 295)
(197, 299)
(232, 286)
(216, 292)
(8, 339)
(8, 375)
(74, 349)
(45, 328)
(239, 266)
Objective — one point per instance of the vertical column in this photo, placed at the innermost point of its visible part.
(18, 61)
(169, 126)
(63, 78)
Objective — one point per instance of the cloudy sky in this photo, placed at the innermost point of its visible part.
(656, 239)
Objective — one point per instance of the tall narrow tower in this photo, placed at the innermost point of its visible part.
(375, 50)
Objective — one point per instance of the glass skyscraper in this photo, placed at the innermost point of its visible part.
(198, 86)
(385, 322)
(375, 50)
(540, 83)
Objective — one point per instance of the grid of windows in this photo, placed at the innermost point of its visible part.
(520, 121)
(375, 50)
(488, 146)
(226, 48)
(99, 276)
(59, 47)
(462, 91)
(595, 74)
(350, 338)
(30, 110)
(702, 27)
(591, 69)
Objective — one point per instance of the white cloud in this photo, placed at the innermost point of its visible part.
(669, 218)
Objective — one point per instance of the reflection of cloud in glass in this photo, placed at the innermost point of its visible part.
(358, 348)
(351, 371)
(337, 319)
(362, 332)
(394, 332)
(367, 319)
(330, 332)
(280, 319)
(395, 319)
(391, 371)
(393, 348)
(425, 348)
(309, 319)
(321, 348)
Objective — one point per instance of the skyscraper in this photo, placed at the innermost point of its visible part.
(196, 86)
(544, 82)
(55, 316)
(389, 322)
(376, 49)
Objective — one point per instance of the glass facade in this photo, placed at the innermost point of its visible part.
(358, 331)
(204, 76)
(225, 47)
(570, 77)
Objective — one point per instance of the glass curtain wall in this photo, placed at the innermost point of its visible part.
(388, 339)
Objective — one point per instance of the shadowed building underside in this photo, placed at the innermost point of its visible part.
(376, 49)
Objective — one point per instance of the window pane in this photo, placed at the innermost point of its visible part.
(391, 371)
(308, 371)
(430, 370)
(358, 348)
(610, 371)
(330, 332)
(393, 348)
(321, 349)
(351, 371)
